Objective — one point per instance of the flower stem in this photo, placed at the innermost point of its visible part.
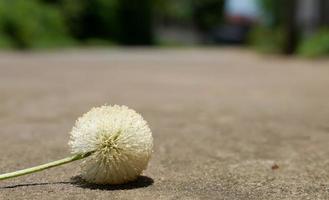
(44, 166)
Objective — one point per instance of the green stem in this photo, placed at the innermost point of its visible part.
(44, 166)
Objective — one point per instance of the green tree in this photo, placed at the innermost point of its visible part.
(31, 24)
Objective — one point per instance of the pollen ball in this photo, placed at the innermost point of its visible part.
(120, 143)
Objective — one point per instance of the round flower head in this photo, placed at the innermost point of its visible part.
(120, 141)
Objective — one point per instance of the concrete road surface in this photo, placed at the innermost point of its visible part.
(227, 123)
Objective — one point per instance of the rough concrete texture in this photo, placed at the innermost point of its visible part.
(227, 123)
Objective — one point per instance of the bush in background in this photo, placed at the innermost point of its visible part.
(315, 46)
(29, 24)
(46, 23)
(280, 24)
(268, 35)
(204, 14)
(118, 21)
(266, 39)
(174, 12)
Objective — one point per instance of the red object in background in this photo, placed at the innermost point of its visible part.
(239, 20)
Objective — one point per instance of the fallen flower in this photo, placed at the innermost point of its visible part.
(114, 141)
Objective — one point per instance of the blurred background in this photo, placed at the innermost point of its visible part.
(298, 27)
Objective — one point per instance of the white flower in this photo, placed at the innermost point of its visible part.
(120, 141)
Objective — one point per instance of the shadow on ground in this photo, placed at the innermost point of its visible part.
(141, 182)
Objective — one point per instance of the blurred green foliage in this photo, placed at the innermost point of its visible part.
(315, 46)
(47, 23)
(204, 14)
(268, 36)
(28, 24)
(272, 11)
(266, 39)
(278, 31)
(171, 11)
